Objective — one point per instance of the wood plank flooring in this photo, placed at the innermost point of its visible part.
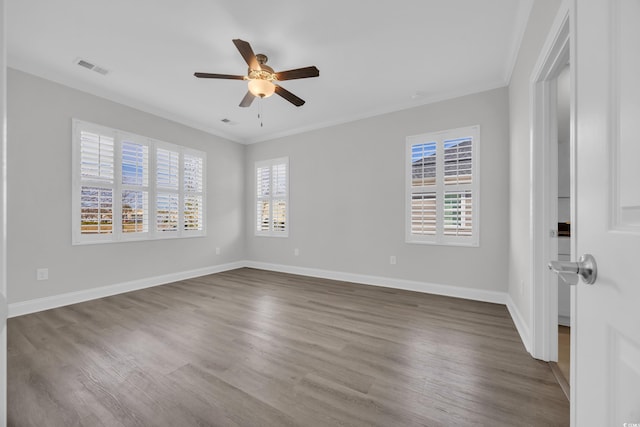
(255, 348)
(561, 369)
(564, 350)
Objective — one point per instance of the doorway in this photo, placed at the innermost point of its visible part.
(546, 166)
(564, 230)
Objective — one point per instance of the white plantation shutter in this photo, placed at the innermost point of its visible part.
(193, 208)
(263, 199)
(423, 213)
(458, 192)
(97, 156)
(168, 196)
(128, 187)
(193, 195)
(263, 175)
(280, 181)
(135, 211)
(167, 168)
(423, 164)
(96, 186)
(135, 164)
(442, 187)
(134, 187)
(458, 213)
(96, 214)
(272, 197)
(458, 161)
(263, 216)
(279, 214)
(167, 212)
(192, 173)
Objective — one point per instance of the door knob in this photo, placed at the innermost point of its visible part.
(569, 271)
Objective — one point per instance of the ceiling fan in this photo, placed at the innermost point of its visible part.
(262, 78)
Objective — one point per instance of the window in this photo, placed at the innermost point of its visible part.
(168, 190)
(128, 187)
(272, 197)
(193, 192)
(442, 187)
(135, 187)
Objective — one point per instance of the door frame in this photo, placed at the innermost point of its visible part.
(3, 216)
(544, 186)
(558, 50)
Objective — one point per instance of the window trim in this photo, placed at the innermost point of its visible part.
(117, 186)
(439, 238)
(271, 232)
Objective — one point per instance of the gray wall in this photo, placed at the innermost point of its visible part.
(39, 195)
(348, 197)
(540, 20)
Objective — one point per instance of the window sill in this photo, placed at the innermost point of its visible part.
(271, 235)
(460, 244)
(141, 239)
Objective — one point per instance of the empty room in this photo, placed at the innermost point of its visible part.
(243, 213)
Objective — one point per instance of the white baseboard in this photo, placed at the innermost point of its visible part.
(521, 325)
(41, 304)
(409, 285)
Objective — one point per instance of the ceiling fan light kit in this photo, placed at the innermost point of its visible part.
(261, 77)
(261, 88)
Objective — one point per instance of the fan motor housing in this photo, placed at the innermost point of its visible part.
(265, 72)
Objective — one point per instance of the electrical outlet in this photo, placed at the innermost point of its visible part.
(42, 274)
(296, 252)
(392, 260)
(217, 251)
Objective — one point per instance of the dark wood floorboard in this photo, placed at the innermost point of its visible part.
(255, 348)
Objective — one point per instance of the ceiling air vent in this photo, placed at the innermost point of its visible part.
(101, 70)
(88, 65)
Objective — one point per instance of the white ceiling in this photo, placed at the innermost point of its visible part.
(374, 56)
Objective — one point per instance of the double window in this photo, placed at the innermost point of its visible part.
(128, 187)
(272, 197)
(442, 187)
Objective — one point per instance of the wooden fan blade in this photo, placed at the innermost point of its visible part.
(218, 76)
(298, 73)
(289, 96)
(247, 100)
(247, 53)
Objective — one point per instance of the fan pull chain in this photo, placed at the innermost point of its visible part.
(260, 113)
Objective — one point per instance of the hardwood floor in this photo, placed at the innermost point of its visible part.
(561, 369)
(255, 348)
(564, 350)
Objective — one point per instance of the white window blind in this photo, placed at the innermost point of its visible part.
(168, 196)
(97, 160)
(272, 197)
(135, 211)
(97, 165)
(167, 169)
(167, 212)
(97, 210)
(193, 195)
(135, 188)
(442, 187)
(128, 187)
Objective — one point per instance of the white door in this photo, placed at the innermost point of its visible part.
(607, 316)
